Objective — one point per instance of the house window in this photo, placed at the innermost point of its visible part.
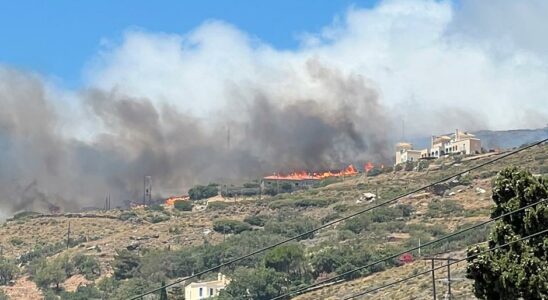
(201, 292)
(211, 292)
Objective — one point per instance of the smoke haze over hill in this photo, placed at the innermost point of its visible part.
(217, 102)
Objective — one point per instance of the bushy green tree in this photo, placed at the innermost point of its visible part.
(50, 273)
(125, 264)
(87, 265)
(288, 258)
(521, 269)
(255, 284)
(202, 192)
(292, 227)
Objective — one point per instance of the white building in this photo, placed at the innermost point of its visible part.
(457, 143)
(207, 289)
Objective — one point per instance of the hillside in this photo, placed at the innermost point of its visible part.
(186, 242)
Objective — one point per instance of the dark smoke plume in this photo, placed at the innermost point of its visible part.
(40, 166)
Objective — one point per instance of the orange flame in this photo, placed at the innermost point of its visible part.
(368, 166)
(171, 200)
(303, 175)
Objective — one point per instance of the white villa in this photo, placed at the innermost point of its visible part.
(457, 143)
(207, 289)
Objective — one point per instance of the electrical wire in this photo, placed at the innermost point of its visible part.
(444, 266)
(338, 220)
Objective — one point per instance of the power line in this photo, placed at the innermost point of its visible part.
(444, 266)
(339, 220)
(308, 287)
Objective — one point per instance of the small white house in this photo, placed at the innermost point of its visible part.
(207, 289)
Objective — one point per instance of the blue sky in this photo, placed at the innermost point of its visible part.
(57, 38)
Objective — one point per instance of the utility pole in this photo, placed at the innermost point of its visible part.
(68, 235)
(433, 279)
(433, 275)
(449, 277)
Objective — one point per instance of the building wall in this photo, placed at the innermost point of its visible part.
(410, 155)
(205, 290)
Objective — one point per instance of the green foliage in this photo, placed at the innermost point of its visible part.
(16, 241)
(203, 192)
(357, 224)
(277, 204)
(126, 215)
(520, 270)
(374, 172)
(87, 265)
(8, 271)
(49, 249)
(445, 208)
(51, 273)
(125, 264)
(380, 215)
(182, 205)
(288, 258)
(131, 287)
(255, 284)
(292, 227)
(398, 167)
(23, 214)
(230, 226)
(156, 217)
(82, 293)
(107, 286)
(256, 220)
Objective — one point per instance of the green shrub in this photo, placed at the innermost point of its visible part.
(82, 293)
(292, 227)
(182, 205)
(126, 215)
(8, 271)
(16, 241)
(87, 266)
(330, 217)
(203, 192)
(24, 214)
(230, 226)
(327, 181)
(156, 217)
(374, 172)
(125, 264)
(358, 223)
(445, 208)
(256, 220)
